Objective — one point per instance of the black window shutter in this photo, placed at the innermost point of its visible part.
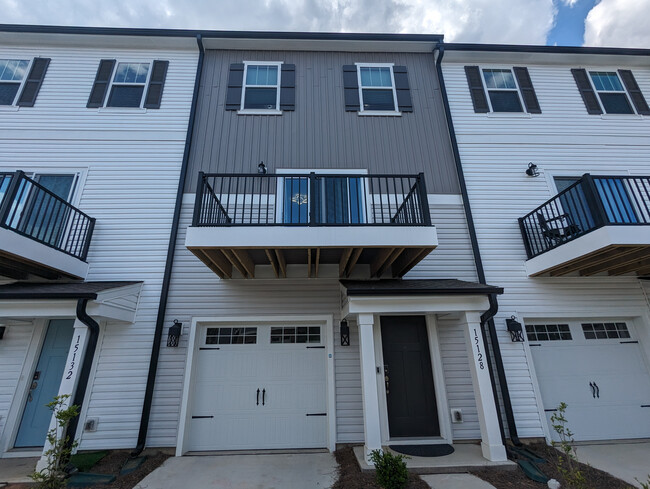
(102, 80)
(33, 82)
(288, 87)
(479, 100)
(586, 91)
(351, 88)
(235, 83)
(635, 92)
(156, 84)
(402, 89)
(527, 90)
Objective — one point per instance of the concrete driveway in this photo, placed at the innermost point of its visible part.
(623, 460)
(289, 471)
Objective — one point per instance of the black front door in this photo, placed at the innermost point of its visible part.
(410, 395)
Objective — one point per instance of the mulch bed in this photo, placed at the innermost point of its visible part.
(351, 477)
(516, 479)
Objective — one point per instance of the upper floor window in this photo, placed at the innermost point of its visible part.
(261, 90)
(611, 92)
(12, 74)
(128, 84)
(508, 90)
(377, 88)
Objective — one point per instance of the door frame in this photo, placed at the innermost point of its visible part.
(326, 321)
(440, 391)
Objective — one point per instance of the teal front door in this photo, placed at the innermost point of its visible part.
(45, 384)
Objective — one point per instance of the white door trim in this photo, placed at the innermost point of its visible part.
(190, 365)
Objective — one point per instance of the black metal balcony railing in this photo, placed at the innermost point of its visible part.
(590, 203)
(310, 199)
(29, 209)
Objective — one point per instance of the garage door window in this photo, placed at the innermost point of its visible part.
(548, 332)
(231, 336)
(604, 331)
(299, 334)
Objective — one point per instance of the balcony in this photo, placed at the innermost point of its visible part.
(41, 235)
(311, 224)
(600, 224)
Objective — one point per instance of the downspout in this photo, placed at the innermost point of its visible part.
(487, 318)
(89, 354)
(164, 293)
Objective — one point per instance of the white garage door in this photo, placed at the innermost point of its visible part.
(598, 370)
(259, 387)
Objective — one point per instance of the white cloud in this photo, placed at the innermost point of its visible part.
(569, 3)
(497, 21)
(619, 23)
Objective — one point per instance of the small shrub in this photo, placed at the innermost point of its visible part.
(644, 485)
(53, 475)
(391, 469)
(567, 466)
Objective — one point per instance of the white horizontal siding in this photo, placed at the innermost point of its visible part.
(563, 140)
(197, 292)
(131, 159)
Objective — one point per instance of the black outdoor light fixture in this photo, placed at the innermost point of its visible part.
(261, 168)
(2, 332)
(174, 333)
(531, 171)
(345, 333)
(515, 329)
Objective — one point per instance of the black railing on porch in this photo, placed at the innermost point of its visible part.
(29, 209)
(310, 199)
(590, 203)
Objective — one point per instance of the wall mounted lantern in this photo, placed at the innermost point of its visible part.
(345, 333)
(261, 168)
(515, 329)
(2, 331)
(531, 171)
(174, 333)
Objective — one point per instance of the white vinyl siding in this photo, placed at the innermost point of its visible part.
(562, 141)
(132, 159)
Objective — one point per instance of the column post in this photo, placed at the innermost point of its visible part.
(69, 380)
(491, 443)
(371, 424)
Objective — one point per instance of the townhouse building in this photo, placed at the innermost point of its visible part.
(92, 135)
(554, 144)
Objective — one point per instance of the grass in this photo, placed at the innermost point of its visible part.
(86, 460)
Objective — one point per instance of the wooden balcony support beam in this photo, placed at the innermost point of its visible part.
(282, 263)
(270, 254)
(343, 263)
(246, 261)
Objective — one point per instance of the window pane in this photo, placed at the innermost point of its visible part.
(606, 81)
(503, 101)
(375, 77)
(13, 69)
(261, 75)
(616, 103)
(499, 79)
(260, 98)
(125, 96)
(131, 73)
(8, 93)
(378, 100)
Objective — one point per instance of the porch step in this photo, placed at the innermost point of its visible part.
(132, 464)
(86, 479)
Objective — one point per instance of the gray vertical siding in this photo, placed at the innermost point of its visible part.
(319, 133)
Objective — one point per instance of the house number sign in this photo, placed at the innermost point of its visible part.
(74, 358)
(479, 358)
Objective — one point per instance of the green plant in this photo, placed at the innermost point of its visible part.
(567, 465)
(52, 476)
(391, 469)
(644, 485)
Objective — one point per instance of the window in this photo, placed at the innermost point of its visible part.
(230, 336)
(502, 90)
(128, 84)
(12, 75)
(602, 331)
(377, 88)
(261, 90)
(548, 332)
(300, 334)
(610, 90)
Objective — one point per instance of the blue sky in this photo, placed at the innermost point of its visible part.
(569, 29)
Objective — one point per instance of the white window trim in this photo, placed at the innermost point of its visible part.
(606, 114)
(492, 112)
(275, 111)
(395, 112)
(21, 85)
(144, 91)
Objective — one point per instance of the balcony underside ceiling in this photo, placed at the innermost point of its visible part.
(388, 261)
(613, 260)
(20, 268)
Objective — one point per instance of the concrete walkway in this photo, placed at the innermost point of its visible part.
(455, 481)
(290, 471)
(16, 469)
(623, 460)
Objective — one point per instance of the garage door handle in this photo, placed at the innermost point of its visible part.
(263, 396)
(258, 398)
